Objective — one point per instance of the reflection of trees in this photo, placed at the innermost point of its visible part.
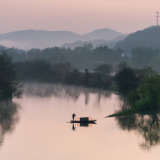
(86, 97)
(149, 129)
(63, 91)
(8, 118)
(146, 124)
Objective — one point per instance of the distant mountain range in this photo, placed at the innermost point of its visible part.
(96, 43)
(28, 39)
(149, 37)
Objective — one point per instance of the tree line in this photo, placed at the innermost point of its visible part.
(87, 57)
(44, 71)
(103, 75)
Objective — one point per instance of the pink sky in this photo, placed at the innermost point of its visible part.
(79, 16)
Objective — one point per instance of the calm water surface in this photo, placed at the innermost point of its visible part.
(35, 127)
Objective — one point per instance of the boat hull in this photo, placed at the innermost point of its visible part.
(90, 121)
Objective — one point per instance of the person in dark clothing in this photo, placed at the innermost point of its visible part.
(73, 115)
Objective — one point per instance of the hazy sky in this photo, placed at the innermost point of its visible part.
(79, 16)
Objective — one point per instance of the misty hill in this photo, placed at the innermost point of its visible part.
(106, 34)
(28, 39)
(149, 37)
(37, 38)
(96, 43)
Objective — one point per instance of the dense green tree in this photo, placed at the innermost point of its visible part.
(149, 90)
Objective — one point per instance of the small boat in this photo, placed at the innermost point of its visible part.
(84, 120)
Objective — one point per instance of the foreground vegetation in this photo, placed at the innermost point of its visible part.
(9, 84)
(140, 87)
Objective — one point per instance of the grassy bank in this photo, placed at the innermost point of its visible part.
(135, 111)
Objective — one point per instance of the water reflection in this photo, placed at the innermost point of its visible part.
(81, 125)
(63, 91)
(146, 124)
(8, 118)
(73, 127)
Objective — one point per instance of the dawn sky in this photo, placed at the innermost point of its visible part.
(79, 16)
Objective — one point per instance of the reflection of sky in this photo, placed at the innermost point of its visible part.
(80, 16)
(42, 132)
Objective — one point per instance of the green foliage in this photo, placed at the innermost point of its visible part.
(148, 72)
(141, 86)
(114, 88)
(124, 112)
(132, 97)
(149, 91)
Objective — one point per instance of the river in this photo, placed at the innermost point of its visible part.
(36, 126)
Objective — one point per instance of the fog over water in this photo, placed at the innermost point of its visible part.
(35, 126)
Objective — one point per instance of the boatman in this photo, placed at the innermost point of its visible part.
(73, 115)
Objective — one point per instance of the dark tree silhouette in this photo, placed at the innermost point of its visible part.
(103, 69)
(9, 84)
(127, 78)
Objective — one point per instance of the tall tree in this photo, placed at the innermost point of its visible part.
(9, 84)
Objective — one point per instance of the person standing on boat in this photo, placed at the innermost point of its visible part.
(73, 115)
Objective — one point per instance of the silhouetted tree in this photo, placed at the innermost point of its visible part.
(103, 69)
(74, 77)
(9, 84)
(127, 79)
(86, 77)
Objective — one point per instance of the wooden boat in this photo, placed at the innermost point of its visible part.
(90, 121)
(84, 120)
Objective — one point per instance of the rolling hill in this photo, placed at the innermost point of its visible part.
(105, 34)
(149, 37)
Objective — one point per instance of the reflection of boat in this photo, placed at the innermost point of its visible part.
(83, 120)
